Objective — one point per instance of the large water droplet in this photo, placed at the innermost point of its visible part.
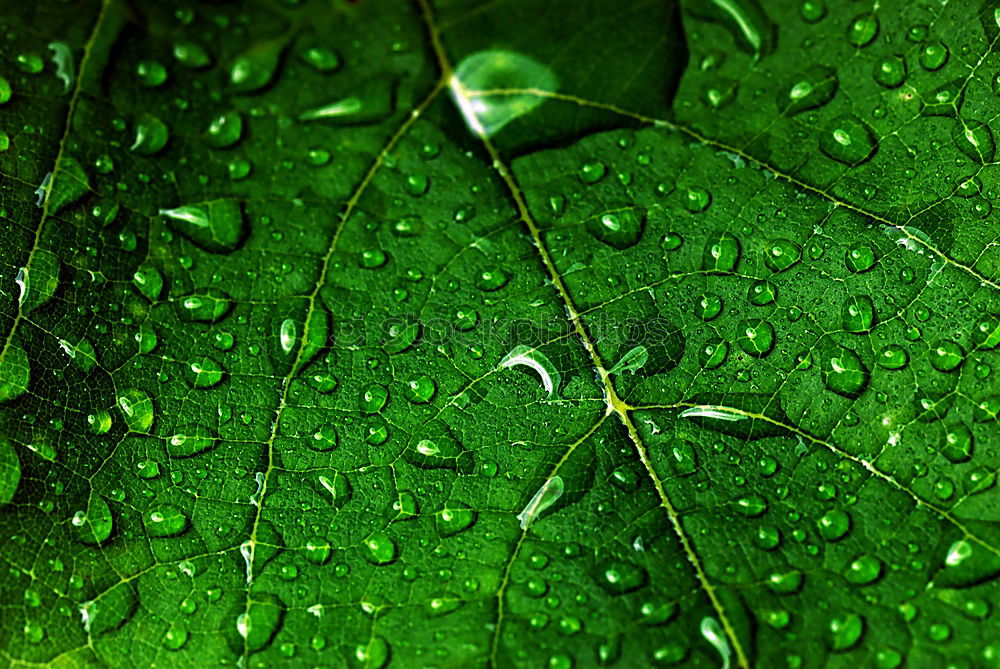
(478, 74)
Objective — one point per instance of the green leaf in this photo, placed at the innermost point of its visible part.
(507, 334)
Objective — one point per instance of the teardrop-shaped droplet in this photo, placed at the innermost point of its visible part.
(217, 226)
(484, 71)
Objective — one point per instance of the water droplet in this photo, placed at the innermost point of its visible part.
(810, 89)
(848, 139)
(454, 518)
(323, 60)
(151, 135)
(933, 55)
(762, 293)
(149, 281)
(860, 258)
(858, 314)
(373, 398)
(975, 140)
(722, 253)
(204, 372)
(834, 524)
(618, 577)
(381, 549)
(217, 226)
(93, 526)
(254, 69)
(708, 306)
(620, 228)
(843, 371)
(191, 54)
(946, 355)
(206, 306)
(546, 496)
(957, 445)
(150, 73)
(845, 631)
(261, 621)
(137, 409)
(893, 356)
(372, 655)
(224, 130)
(492, 278)
(483, 71)
(785, 583)
(863, 570)
(318, 551)
(534, 359)
(190, 439)
(890, 71)
(862, 30)
(756, 337)
(165, 520)
(420, 389)
(713, 353)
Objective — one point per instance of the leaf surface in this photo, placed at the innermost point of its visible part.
(499, 334)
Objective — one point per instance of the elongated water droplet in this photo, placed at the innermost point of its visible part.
(546, 496)
(535, 360)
